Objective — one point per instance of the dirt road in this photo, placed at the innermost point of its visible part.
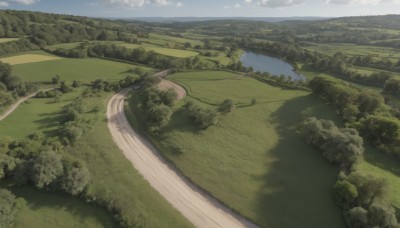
(197, 206)
(15, 105)
(165, 85)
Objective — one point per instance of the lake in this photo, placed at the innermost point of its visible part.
(271, 65)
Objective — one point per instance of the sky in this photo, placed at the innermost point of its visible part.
(208, 8)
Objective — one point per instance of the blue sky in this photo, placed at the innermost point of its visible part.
(208, 8)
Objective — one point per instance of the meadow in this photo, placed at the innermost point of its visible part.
(28, 58)
(84, 70)
(5, 40)
(114, 180)
(252, 160)
(163, 51)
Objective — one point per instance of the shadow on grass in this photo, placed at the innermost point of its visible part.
(50, 121)
(297, 190)
(382, 160)
(79, 210)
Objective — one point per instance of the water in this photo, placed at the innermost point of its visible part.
(271, 65)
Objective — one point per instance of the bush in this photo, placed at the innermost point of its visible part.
(47, 167)
(227, 106)
(9, 206)
(203, 117)
(158, 116)
(76, 177)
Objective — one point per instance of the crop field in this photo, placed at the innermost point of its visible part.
(252, 160)
(28, 58)
(84, 70)
(164, 51)
(5, 40)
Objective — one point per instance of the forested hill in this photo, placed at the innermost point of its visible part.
(46, 29)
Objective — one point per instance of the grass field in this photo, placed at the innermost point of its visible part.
(164, 51)
(252, 160)
(50, 209)
(113, 177)
(84, 70)
(5, 40)
(28, 58)
(179, 40)
(69, 46)
(356, 50)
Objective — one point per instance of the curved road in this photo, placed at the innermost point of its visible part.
(198, 207)
(14, 106)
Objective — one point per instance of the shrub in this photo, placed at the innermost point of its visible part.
(227, 106)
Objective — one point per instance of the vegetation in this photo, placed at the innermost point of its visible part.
(239, 164)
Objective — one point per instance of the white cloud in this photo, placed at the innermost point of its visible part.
(25, 2)
(4, 4)
(179, 4)
(279, 3)
(237, 5)
(363, 2)
(137, 3)
(248, 1)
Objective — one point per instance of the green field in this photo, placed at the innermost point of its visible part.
(50, 209)
(28, 58)
(113, 177)
(357, 50)
(5, 40)
(253, 160)
(178, 40)
(164, 51)
(84, 70)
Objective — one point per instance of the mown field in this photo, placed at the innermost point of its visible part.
(84, 70)
(113, 177)
(5, 40)
(164, 51)
(253, 160)
(28, 58)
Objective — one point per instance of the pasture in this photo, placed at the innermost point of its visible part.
(28, 58)
(164, 51)
(252, 160)
(84, 70)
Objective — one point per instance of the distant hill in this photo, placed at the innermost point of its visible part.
(194, 19)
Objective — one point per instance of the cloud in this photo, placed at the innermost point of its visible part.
(363, 2)
(4, 4)
(137, 3)
(237, 5)
(179, 4)
(280, 3)
(25, 2)
(248, 1)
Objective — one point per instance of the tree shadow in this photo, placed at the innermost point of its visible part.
(49, 121)
(298, 185)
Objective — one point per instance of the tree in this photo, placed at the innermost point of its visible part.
(47, 167)
(392, 87)
(5, 71)
(358, 217)
(75, 179)
(345, 193)
(169, 97)
(382, 216)
(9, 206)
(158, 116)
(56, 79)
(227, 106)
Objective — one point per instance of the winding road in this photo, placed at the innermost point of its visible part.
(196, 205)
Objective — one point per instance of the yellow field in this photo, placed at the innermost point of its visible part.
(4, 40)
(28, 58)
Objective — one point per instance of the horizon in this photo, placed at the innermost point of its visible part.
(208, 8)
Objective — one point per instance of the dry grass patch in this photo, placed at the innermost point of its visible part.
(28, 58)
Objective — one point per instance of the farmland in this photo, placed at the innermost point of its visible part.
(164, 51)
(28, 58)
(248, 156)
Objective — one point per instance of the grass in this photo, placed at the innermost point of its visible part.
(51, 209)
(357, 50)
(28, 58)
(5, 40)
(164, 51)
(252, 160)
(84, 70)
(113, 177)
(179, 40)
(69, 46)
